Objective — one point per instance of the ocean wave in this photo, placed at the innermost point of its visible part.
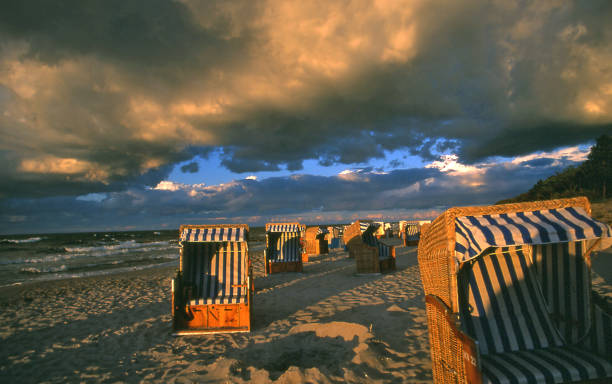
(103, 272)
(22, 241)
(101, 265)
(97, 252)
(122, 245)
(47, 274)
(35, 271)
(168, 257)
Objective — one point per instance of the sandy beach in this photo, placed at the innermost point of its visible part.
(325, 325)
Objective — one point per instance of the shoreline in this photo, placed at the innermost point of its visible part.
(90, 274)
(49, 284)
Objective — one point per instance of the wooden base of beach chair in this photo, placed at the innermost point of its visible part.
(294, 266)
(213, 318)
(367, 261)
(411, 243)
(195, 332)
(387, 265)
(323, 247)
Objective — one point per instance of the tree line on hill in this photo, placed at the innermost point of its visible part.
(592, 178)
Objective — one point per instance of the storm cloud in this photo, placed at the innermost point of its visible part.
(107, 96)
(352, 194)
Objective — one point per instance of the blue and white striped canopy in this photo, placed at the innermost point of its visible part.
(474, 234)
(198, 235)
(284, 228)
(365, 225)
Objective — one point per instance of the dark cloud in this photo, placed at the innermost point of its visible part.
(104, 96)
(543, 162)
(147, 34)
(339, 198)
(190, 168)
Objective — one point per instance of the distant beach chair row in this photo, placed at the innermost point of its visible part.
(507, 287)
(213, 288)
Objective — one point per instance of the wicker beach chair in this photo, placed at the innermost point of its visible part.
(335, 240)
(316, 243)
(212, 292)
(508, 294)
(371, 254)
(410, 232)
(284, 250)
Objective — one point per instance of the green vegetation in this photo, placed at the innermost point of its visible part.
(593, 178)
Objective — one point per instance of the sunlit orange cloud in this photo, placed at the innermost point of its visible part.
(64, 166)
(194, 109)
(152, 121)
(593, 108)
(54, 165)
(305, 42)
(284, 61)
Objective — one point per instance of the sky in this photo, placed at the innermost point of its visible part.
(149, 114)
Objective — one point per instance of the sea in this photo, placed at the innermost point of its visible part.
(39, 257)
(28, 258)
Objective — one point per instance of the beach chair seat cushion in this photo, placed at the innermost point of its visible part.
(548, 365)
(507, 311)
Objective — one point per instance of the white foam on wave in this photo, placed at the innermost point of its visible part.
(125, 247)
(34, 271)
(60, 276)
(117, 262)
(122, 245)
(22, 241)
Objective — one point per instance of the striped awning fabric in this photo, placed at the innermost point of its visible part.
(412, 230)
(365, 225)
(284, 228)
(198, 235)
(474, 234)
